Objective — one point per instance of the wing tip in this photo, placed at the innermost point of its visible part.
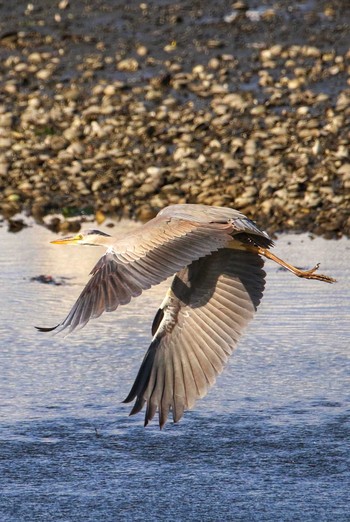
(44, 329)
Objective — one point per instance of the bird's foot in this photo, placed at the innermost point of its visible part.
(306, 274)
(310, 274)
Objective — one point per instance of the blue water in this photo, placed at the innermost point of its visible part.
(270, 442)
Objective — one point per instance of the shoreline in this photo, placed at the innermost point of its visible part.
(119, 111)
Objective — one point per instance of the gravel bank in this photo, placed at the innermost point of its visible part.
(123, 109)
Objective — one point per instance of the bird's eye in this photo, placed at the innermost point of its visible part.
(79, 237)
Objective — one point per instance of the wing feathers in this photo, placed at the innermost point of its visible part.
(178, 236)
(212, 301)
(121, 275)
(213, 296)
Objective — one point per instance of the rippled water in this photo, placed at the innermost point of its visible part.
(269, 442)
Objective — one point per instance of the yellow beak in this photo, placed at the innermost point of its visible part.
(67, 240)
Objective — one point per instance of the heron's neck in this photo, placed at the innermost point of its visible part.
(104, 241)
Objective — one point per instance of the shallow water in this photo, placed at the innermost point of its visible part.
(269, 442)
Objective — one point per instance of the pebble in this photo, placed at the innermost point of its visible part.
(128, 65)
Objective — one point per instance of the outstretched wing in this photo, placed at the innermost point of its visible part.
(139, 262)
(209, 306)
(154, 252)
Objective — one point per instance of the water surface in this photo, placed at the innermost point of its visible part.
(269, 442)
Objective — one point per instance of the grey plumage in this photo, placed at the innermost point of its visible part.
(209, 306)
(215, 255)
(177, 236)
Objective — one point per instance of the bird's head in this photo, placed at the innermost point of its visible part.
(89, 237)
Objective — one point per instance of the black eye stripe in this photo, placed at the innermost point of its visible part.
(95, 232)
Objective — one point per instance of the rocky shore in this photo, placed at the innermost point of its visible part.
(120, 110)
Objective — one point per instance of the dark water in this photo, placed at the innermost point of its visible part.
(269, 443)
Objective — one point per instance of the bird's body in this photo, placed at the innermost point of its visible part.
(216, 256)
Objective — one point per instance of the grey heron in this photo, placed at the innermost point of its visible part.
(216, 257)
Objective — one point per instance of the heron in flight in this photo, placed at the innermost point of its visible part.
(216, 257)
